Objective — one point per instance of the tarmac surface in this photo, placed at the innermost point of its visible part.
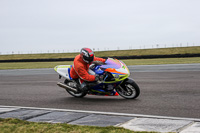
(166, 90)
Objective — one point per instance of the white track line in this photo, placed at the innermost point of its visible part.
(105, 113)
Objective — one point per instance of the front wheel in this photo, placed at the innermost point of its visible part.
(128, 89)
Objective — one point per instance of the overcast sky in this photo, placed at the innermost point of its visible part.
(69, 25)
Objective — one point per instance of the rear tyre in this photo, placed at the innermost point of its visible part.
(77, 95)
(128, 89)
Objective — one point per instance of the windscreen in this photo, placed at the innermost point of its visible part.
(111, 63)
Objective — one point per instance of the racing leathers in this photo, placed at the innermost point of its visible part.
(80, 69)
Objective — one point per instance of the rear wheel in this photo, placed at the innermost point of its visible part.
(78, 95)
(128, 89)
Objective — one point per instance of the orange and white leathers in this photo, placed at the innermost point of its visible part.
(80, 69)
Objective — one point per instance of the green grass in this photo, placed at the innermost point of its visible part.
(20, 126)
(37, 56)
(162, 61)
(33, 65)
(160, 51)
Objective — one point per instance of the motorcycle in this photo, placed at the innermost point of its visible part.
(115, 80)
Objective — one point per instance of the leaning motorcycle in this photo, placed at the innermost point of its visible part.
(115, 80)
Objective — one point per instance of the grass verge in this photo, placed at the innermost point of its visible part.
(138, 52)
(159, 61)
(19, 126)
(35, 65)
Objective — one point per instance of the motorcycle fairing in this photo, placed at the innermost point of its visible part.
(64, 71)
(111, 63)
(102, 92)
(102, 89)
(116, 67)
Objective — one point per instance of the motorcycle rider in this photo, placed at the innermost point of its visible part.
(80, 68)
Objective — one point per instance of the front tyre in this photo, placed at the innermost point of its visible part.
(128, 89)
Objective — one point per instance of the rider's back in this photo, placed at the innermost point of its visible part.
(80, 69)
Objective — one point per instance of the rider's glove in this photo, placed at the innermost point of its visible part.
(92, 66)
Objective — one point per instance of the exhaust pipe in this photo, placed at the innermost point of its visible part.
(66, 87)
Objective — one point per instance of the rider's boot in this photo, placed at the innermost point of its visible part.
(72, 84)
(76, 86)
(79, 87)
(83, 87)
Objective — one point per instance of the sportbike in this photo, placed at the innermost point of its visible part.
(115, 80)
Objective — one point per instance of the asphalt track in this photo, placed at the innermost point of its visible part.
(166, 90)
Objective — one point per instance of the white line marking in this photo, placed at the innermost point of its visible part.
(107, 113)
